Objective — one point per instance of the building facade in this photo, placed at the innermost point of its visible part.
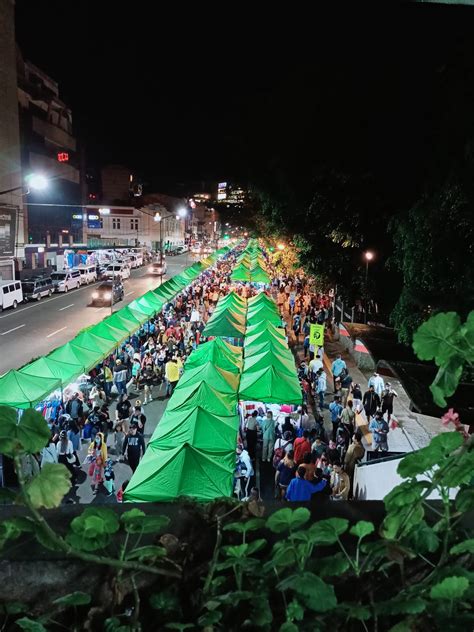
(12, 234)
(49, 147)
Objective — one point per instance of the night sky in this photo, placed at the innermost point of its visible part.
(190, 97)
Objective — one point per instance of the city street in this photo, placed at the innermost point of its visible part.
(36, 328)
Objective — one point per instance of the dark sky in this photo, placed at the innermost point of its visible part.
(191, 96)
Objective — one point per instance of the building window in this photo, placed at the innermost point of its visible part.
(115, 223)
(134, 224)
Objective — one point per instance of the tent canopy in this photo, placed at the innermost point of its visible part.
(73, 354)
(21, 390)
(271, 386)
(282, 361)
(219, 352)
(226, 323)
(223, 381)
(47, 367)
(204, 395)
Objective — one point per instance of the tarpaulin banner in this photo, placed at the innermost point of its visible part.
(316, 335)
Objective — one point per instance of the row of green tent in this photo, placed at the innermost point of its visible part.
(228, 319)
(192, 451)
(251, 265)
(36, 380)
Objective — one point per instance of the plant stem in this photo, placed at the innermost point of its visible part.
(215, 556)
(354, 568)
(136, 598)
(63, 545)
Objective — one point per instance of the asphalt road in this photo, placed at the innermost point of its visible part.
(34, 329)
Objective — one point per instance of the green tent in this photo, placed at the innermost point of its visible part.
(205, 396)
(21, 390)
(273, 345)
(198, 428)
(164, 475)
(47, 367)
(241, 273)
(88, 340)
(142, 309)
(219, 352)
(223, 381)
(259, 299)
(124, 319)
(258, 275)
(282, 361)
(270, 385)
(263, 314)
(107, 331)
(226, 323)
(265, 328)
(73, 354)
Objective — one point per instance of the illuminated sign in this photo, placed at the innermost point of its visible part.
(63, 156)
(222, 190)
(77, 216)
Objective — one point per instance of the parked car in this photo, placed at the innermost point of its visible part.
(65, 280)
(117, 270)
(136, 260)
(10, 294)
(158, 268)
(37, 287)
(88, 274)
(108, 292)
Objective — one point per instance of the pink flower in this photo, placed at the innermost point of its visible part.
(450, 418)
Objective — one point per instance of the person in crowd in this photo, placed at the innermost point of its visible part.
(282, 446)
(119, 437)
(335, 410)
(109, 477)
(348, 418)
(171, 374)
(75, 408)
(356, 398)
(74, 436)
(387, 397)
(377, 382)
(333, 452)
(121, 491)
(301, 446)
(97, 396)
(123, 410)
(137, 417)
(379, 429)
(371, 403)
(120, 377)
(321, 386)
(309, 466)
(346, 383)
(318, 447)
(355, 452)
(268, 431)
(65, 453)
(323, 464)
(338, 366)
(301, 490)
(288, 426)
(340, 483)
(244, 469)
(97, 456)
(107, 380)
(314, 367)
(133, 446)
(251, 429)
(284, 474)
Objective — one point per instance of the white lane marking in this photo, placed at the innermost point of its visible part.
(131, 292)
(67, 306)
(10, 330)
(56, 332)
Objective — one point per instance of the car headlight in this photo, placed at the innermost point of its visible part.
(95, 294)
(108, 295)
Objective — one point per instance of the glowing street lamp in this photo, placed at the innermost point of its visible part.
(37, 182)
(182, 212)
(368, 256)
(281, 246)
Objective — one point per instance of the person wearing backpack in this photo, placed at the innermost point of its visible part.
(282, 447)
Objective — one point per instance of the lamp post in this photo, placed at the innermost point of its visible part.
(33, 182)
(368, 256)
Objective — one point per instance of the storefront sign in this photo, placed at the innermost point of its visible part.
(7, 231)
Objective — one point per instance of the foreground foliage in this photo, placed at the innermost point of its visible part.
(285, 572)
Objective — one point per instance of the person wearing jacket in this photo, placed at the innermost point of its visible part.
(371, 403)
(388, 395)
(171, 375)
(340, 483)
(301, 490)
(120, 377)
(377, 382)
(355, 453)
(133, 447)
(321, 386)
(74, 408)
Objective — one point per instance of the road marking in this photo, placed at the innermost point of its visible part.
(131, 292)
(10, 330)
(67, 306)
(56, 332)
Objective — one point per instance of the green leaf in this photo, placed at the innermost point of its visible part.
(77, 598)
(407, 625)
(467, 331)
(401, 521)
(333, 565)
(136, 521)
(356, 611)
(288, 626)
(15, 607)
(463, 547)
(164, 601)
(450, 588)
(30, 434)
(362, 529)
(295, 611)
(210, 618)
(446, 381)
(460, 471)
(422, 460)
(288, 519)
(406, 493)
(92, 529)
(48, 488)
(401, 606)
(465, 499)
(316, 594)
(147, 553)
(8, 531)
(45, 539)
(244, 527)
(179, 626)
(437, 338)
(328, 531)
(113, 625)
(29, 625)
(261, 613)
(423, 539)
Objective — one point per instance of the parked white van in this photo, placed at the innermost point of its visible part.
(136, 260)
(11, 294)
(117, 270)
(65, 280)
(88, 274)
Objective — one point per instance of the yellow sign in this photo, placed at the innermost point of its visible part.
(316, 335)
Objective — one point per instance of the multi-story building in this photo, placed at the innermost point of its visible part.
(50, 148)
(11, 204)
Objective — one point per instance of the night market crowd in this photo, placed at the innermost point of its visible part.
(146, 367)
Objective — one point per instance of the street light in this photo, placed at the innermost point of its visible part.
(33, 182)
(368, 256)
(281, 246)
